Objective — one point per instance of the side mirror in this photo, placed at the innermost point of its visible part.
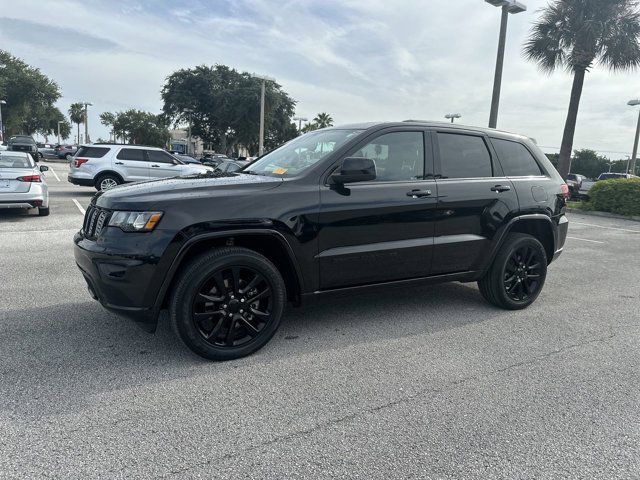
(355, 169)
(44, 168)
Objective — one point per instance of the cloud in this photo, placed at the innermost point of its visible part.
(357, 59)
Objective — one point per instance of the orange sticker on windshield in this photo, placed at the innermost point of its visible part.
(280, 170)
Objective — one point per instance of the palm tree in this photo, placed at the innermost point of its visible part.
(76, 114)
(108, 119)
(323, 120)
(576, 35)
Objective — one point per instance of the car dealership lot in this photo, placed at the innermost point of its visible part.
(424, 382)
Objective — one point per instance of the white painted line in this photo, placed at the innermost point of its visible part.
(54, 173)
(609, 228)
(79, 206)
(585, 239)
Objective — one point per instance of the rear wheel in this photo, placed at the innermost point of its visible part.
(107, 181)
(68, 156)
(43, 211)
(227, 303)
(517, 274)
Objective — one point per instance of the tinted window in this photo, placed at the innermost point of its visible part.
(159, 156)
(397, 155)
(131, 154)
(463, 156)
(92, 152)
(233, 167)
(515, 159)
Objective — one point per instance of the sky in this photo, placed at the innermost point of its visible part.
(359, 60)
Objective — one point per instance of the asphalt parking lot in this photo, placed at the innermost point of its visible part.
(426, 382)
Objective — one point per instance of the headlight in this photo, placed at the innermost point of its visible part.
(135, 221)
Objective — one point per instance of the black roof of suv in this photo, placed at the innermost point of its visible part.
(347, 207)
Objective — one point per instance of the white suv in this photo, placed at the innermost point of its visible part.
(104, 166)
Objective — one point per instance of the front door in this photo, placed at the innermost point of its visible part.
(162, 165)
(380, 230)
(132, 162)
(474, 199)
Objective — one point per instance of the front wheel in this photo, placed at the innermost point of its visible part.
(227, 303)
(517, 274)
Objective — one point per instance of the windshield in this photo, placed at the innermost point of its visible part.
(7, 160)
(301, 153)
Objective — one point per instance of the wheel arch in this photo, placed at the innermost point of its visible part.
(108, 172)
(269, 243)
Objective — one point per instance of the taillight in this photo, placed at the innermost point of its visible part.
(564, 189)
(29, 178)
(79, 161)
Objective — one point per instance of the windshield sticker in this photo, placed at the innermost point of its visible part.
(280, 170)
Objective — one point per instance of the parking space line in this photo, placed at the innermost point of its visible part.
(585, 239)
(82, 211)
(609, 228)
(54, 173)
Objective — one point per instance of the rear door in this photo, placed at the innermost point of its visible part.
(133, 163)
(380, 230)
(162, 164)
(475, 199)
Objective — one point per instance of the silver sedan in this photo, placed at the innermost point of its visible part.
(22, 184)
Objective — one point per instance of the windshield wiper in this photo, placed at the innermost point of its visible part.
(250, 172)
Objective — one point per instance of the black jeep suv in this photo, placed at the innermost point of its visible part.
(339, 208)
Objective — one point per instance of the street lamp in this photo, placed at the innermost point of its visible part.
(300, 120)
(86, 126)
(508, 6)
(2, 102)
(452, 116)
(264, 79)
(59, 122)
(631, 165)
(190, 112)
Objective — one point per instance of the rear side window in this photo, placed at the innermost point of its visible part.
(135, 154)
(463, 156)
(92, 152)
(515, 159)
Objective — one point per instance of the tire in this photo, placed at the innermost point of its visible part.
(107, 181)
(210, 320)
(516, 276)
(68, 156)
(43, 212)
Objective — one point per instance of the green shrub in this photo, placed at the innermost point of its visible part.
(620, 195)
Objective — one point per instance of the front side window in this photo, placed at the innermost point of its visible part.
(159, 156)
(464, 156)
(398, 156)
(135, 154)
(515, 159)
(301, 153)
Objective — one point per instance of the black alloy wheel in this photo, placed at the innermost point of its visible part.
(227, 303)
(522, 273)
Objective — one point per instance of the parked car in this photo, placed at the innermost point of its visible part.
(574, 182)
(610, 175)
(340, 208)
(23, 143)
(3, 146)
(22, 184)
(105, 166)
(46, 150)
(186, 158)
(65, 151)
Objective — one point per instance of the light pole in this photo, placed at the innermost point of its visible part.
(2, 102)
(190, 112)
(264, 79)
(300, 120)
(86, 126)
(59, 122)
(452, 116)
(631, 165)
(508, 6)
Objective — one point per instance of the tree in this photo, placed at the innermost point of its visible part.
(138, 127)
(223, 107)
(76, 114)
(576, 35)
(30, 97)
(588, 163)
(323, 120)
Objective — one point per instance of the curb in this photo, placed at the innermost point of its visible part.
(633, 218)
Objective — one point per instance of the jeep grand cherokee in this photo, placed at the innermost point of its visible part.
(339, 208)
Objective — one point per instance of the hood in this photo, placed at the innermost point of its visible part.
(146, 195)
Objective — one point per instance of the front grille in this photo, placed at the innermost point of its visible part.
(95, 219)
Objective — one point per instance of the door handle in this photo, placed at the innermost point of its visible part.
(155, 166)
(119, 163)
(501, 188)
(419, 193)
